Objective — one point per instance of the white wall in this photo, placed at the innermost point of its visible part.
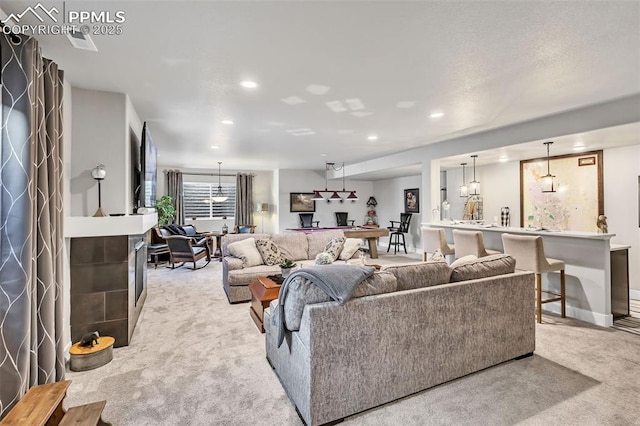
(307, 181)
(496, 191)
(100, 131)
(621, 170)
(390, 196)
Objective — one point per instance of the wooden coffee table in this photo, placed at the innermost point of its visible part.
(263, 291)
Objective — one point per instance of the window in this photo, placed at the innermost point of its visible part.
(198, 203)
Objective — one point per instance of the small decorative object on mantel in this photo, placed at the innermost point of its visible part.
(602, 224)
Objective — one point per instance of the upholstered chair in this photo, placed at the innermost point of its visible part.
(528, 251)
(434, 239)
(470, 242)
(182, 249)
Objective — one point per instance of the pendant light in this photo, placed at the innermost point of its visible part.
(547, 180)
(474, 185)
(464, 189)
(335, 194)
(219, 197)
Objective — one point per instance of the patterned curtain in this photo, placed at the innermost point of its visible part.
(175, 191)
(244, 199)
(31, 234)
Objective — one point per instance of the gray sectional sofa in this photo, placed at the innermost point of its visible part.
(297, 246)
(427, 325)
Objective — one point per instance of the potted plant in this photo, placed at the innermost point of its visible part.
(165, 209)
(286, 266)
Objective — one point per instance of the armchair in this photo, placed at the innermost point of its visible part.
(182, 249)
(306, 220)
(244, 229)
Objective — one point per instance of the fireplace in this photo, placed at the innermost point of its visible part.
(140, 268)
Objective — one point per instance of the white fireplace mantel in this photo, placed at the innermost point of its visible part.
(81, 226)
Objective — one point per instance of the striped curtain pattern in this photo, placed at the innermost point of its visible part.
(244, 199)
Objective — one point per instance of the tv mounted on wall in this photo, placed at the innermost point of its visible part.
(148, 169)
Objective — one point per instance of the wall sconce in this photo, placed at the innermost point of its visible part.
(547, 180)
(99, 173)
(464, 189)
(474, 185)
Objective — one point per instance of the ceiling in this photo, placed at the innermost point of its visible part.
(330, 74)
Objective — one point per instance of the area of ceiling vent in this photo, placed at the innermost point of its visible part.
(79, 40)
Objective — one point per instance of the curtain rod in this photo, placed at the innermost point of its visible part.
(206, 174)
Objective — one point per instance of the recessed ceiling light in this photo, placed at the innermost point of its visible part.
(579, 148)
(503, 159)
(248, 84)
(323, 155)
(215, 147)
(227, 121)
(372, 137)
(436, 114)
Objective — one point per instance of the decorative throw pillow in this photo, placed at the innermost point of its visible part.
(483, 267)
(464, 260)
(269, 251)
(247, 251)
(334, 247)
(324, 259)
(350, 247)
(437, 256)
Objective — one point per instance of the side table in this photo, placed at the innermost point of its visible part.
(263, 291)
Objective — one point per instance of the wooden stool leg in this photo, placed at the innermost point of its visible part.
(562, 294)
(539, 297)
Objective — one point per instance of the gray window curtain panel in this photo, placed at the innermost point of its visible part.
(176, 192)
(244, 199)
(31, 234)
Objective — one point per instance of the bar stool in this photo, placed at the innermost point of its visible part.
(470, 242)
(528, 251)
(434, 239)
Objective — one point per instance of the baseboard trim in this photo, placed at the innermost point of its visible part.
(596, 318)
(634, 294)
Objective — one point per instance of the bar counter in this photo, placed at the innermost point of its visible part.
(587, 256)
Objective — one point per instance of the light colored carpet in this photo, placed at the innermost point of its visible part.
(196, 360)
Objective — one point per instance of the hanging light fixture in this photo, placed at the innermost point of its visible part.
(317, 193)
(547, 180)
(464, 189)
(219, 197)
(474, 185)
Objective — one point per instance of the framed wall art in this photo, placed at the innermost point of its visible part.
(301, 202)
(578, 198)
(412, 200)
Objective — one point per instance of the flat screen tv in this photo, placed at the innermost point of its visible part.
(148, 169)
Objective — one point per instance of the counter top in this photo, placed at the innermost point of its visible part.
(82, 226)
(527, 231)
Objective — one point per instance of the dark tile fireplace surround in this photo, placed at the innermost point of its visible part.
(108, 285)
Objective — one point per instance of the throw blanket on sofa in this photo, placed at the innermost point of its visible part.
(338, 281)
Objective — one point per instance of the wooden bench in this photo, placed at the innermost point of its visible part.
(42, 406)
